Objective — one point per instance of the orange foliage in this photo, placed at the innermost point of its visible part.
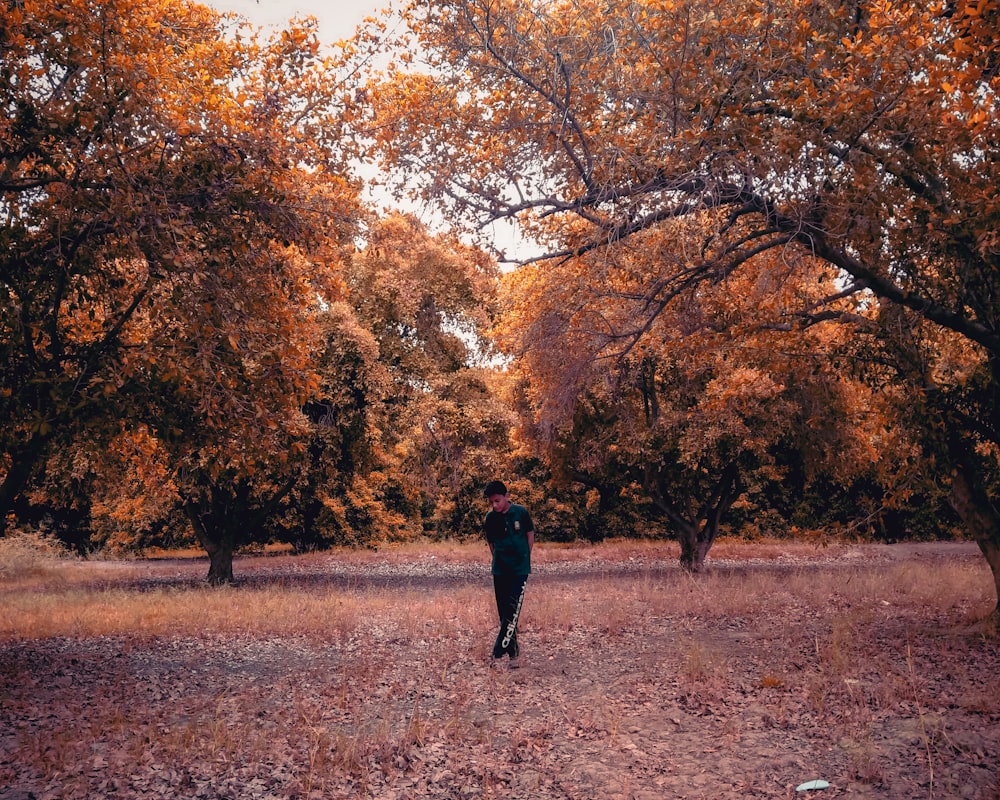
(176, 212)
(865, 137)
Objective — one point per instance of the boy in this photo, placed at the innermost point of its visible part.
(510, 534)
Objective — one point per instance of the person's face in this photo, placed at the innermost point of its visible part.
(499, 503)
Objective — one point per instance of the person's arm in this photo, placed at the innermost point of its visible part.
(531, 539)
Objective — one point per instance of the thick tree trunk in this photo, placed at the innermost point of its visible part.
(991, 550)
(695, 541)
(981, 519)
(220, 570)
(216, 538)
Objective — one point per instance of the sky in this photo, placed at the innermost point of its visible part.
(337, 18)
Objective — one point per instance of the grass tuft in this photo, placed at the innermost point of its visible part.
(30, 554)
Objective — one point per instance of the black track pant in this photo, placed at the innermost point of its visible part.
(509, 590)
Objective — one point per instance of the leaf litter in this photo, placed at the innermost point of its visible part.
(627, 698)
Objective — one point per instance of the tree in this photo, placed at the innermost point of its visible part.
(429, 300)
(864, 134)
(74, 266)
(346, 493)
(234, 364)
(174, 212)
(705, 409)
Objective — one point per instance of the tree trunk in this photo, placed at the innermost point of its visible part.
(226, 515)
(23, 461)
(217, 539)
(981, 518)
(991, 550)
(220, 569)
(696, 531)
(695, 541)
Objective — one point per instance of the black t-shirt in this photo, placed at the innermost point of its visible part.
(508, 534)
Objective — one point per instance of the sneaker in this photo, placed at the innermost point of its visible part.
(515, 663)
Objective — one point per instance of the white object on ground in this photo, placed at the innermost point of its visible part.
(805, 787)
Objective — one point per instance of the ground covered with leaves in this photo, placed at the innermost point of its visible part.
(368, 675)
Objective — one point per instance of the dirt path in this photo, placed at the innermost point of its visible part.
(638, 684)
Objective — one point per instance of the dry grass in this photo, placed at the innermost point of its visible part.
(27, 553)
(46, 592)
(59, 610)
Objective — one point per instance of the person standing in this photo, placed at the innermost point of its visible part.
(510, 534)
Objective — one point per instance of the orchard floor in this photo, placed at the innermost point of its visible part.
(848, 665)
